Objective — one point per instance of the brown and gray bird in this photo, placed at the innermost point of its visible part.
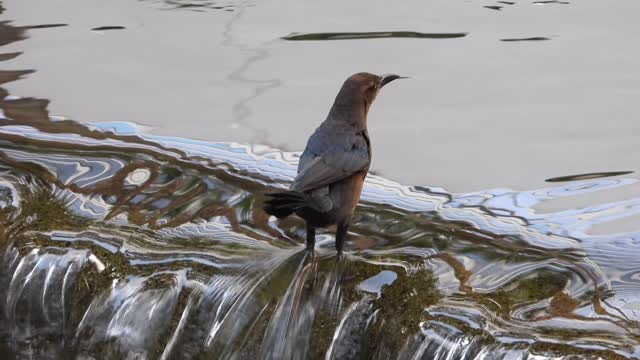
(334, 164)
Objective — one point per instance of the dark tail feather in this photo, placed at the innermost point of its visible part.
(285, 203)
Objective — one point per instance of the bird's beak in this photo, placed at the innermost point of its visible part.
(387, 78)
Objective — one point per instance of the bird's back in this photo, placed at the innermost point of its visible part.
(334, 151)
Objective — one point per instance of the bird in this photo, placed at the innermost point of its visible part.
(334, 164)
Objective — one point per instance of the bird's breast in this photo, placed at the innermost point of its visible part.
(346, 194)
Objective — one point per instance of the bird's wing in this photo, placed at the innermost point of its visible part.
(329, 158)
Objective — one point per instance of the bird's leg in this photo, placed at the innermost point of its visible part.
(341, 234)
(311, 237)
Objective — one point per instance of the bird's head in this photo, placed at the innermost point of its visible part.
(359, 91)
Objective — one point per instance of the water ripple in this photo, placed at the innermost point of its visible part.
(120, 243)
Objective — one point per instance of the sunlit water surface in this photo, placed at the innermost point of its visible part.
(117, 243)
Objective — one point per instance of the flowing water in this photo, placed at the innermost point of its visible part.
(119, 243)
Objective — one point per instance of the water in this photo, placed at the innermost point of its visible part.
(121, 244)
(478, 113)
(117, 242)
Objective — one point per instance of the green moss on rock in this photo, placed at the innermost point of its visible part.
(401, 308)
(535, 287)
(41, 211)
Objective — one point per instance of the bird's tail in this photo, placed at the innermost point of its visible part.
(285, 203)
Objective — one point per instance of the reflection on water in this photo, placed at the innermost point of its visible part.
(545, 2)
(536, 38)
(372, 35)
(113, 27)
(200, 5)
(588, 176)
(119, 244)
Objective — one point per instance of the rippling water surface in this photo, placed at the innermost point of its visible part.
(119, 243)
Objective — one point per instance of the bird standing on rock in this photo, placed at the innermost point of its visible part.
(334, 164)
